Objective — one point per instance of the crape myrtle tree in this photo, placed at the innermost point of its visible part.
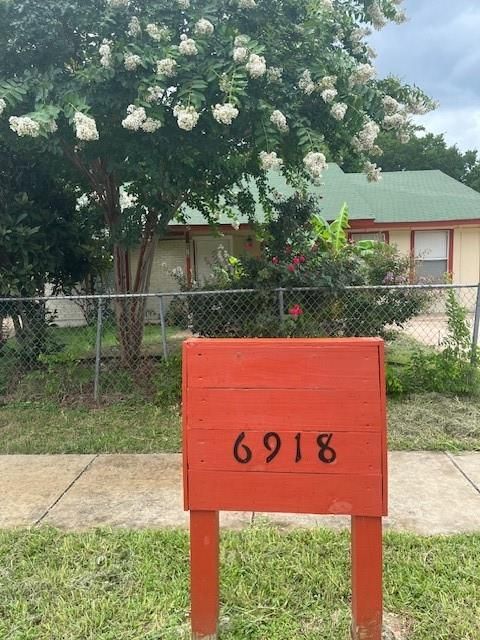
(166, 103)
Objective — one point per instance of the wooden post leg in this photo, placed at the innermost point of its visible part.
(367, 596)
(204, 574)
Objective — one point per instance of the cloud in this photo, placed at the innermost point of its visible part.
(438, 50)
(461, 125)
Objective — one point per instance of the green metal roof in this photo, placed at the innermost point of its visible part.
(401, 196)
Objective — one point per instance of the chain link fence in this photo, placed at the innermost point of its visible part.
(82, 349)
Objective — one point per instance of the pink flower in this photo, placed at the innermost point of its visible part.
(302, 259)
(296, 260)
(295, 311)
(291, 268)
(275, 260)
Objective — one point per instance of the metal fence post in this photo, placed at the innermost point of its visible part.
(476, 328)
(98, 350)
(281, 307)
(163, 326)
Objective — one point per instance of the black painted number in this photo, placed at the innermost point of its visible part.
(241, 452)
(298, 455)
(272, 442)
(326, 454)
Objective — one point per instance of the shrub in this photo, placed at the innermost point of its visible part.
(315, 255)
(452, 370)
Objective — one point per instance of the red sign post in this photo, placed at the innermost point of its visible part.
(285, 425)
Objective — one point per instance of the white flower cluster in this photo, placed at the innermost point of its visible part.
(373, 172)
(256, 66)
(247, 4)
(118, 4)
(279, 120)
(362, 74)
(329, 95)
(365, 139)
(187, 46)
(204, 27)
(390, 105)
(315, 163)
(418, 107)
(3, 106)
(404, 137)
(167, 67)
(187, 117)
(376, 15)
(134, 27)
(183, 4)
(156, 33)
(51, 126)
(85, 127)
(327, 4)
(154, 94)
(274, 74)
(241, 41)
(357, 38)
(339, 110)
(137, 119)
(270, 161)
(327, 82)
(400, 16)
(306, 83)
(395, 121)
(240, 54)
(132, 61)
(225, 113)
(151, 125)
(105, 54)
(225, 83)
(24, 126)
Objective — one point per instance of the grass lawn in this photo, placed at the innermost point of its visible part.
(42, 427)
(123, 585)
(426, 421)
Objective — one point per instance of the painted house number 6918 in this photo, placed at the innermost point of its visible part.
(273, 443)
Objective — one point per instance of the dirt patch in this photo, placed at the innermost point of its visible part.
(396, 627)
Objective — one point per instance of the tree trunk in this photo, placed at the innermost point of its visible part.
(130, 312)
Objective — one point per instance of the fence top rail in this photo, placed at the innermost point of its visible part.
(171, 294)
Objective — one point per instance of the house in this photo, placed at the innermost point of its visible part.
(426, 214)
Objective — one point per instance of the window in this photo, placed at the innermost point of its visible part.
(375, 236)
(431, 255)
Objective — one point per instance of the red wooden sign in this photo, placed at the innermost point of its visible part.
(285, 425)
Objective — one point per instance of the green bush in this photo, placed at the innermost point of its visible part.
(316, 255)
(452, 370)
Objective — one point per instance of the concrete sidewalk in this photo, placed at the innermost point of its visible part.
(430, 493)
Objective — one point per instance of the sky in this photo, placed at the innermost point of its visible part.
(439, 50)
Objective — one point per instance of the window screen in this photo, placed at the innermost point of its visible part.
(431, 255)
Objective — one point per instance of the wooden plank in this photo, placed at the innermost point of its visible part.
(367, 599)
(383, 424)
(282, 364)
(285, 492)
(298, 452)
(283, 408)
(204, 574)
